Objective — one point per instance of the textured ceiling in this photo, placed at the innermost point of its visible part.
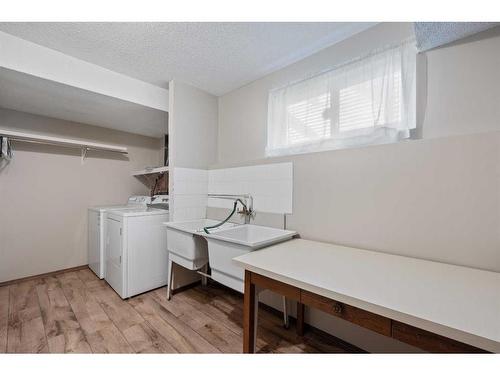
(216, 57)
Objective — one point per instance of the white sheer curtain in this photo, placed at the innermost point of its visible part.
(370, 100)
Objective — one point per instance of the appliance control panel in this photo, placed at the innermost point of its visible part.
(139, 199)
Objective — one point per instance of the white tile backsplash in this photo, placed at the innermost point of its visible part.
(271, 186)
(189, 198)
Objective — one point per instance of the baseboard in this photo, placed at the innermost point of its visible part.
(15, 281)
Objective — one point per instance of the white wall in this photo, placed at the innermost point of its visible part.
(464, 87)
(436, 198)
(45, 192)
(192, 139)
(192, 129)
(192, 126)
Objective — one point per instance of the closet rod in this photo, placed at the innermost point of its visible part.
(57, 141)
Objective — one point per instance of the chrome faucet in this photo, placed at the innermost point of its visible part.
(247, 210)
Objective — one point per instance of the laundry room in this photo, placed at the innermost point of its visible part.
(249, 187)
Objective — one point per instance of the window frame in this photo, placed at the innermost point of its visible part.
(336, 134)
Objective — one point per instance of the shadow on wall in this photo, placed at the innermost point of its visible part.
(421, 95)
(3, 164)
(422, 77)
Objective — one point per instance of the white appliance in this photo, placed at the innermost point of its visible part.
(136, 248)
(97, 227)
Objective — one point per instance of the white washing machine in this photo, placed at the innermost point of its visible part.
(136, 249)
(97, 228)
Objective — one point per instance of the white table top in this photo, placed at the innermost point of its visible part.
(457, 302)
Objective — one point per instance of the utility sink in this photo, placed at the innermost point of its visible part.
(252, 237)
(226, 244)
(184, 242)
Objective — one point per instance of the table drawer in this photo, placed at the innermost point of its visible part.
(352, 314)
(429, 341)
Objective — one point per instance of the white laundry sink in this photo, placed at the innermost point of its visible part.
(185, 245)
(226, 244)
(252, 236)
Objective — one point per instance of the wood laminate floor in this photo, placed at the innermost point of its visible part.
(75, 312)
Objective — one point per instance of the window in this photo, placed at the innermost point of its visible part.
(371, 100)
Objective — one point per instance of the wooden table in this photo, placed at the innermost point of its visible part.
(434, 306)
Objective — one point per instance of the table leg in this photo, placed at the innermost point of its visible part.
(286, 322)
(249, 315)
(300, 319)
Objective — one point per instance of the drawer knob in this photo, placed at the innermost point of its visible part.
(337, 308)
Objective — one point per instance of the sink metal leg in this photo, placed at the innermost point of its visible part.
(286, 320)
(170, 279)
(204, 279)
